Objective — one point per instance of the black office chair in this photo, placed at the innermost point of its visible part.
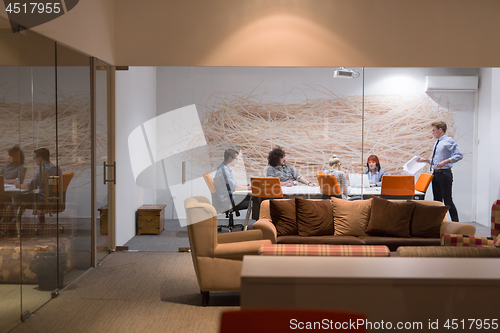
(235, 209)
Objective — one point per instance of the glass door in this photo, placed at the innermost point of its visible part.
(10, 276)
(45, 225)
(37, 217)
(105, 169)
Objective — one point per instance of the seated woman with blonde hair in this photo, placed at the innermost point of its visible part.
(335, 165)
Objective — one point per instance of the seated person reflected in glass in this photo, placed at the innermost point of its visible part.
(12, 171)
(38, 191)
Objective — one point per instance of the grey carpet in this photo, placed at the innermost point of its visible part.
(481, 230)
(133, 292)
(171, 239)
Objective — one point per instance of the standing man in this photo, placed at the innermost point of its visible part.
(286, 173)
(223, 176)
(445, 154)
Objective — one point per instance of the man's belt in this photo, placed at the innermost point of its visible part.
(442, 170)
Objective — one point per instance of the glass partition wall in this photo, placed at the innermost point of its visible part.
(45, 230)
(308, 112)
(312, 113)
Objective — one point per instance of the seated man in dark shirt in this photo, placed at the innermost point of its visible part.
(286, 173)
(223, 176)
(38, 191)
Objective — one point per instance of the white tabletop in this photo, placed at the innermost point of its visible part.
(292, 190)
(315, 190)
(11, 189)
(363, 190)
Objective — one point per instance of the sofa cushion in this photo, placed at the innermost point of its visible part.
(426, 220)
(283, 216)
(324, 250)
(314, 218)
(350, 218)
(466, 240)
(329, 239)
(394, 242)
(390, 218)
(445, 251)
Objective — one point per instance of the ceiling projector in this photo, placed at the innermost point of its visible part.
(344, 73)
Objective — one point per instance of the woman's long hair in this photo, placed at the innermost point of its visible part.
(375, 159)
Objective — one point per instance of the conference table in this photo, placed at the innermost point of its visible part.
(314, 192)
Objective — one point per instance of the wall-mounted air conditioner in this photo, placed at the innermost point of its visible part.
(451, 83)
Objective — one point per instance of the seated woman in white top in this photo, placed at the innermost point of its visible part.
(374, 172)
(335, 165)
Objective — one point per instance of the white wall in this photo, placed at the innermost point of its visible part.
(135, 104)
(488, 176)
(401, 81)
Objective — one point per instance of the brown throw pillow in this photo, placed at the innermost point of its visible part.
(350, 217)
(314, 217)
(283, 216)
(391, 219)
(426, 220)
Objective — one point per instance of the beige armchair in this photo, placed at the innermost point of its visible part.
(217, 258)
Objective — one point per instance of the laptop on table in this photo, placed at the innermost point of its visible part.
(359, 180)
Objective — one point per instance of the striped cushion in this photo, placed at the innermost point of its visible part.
(324, 250)
(465, 241)
(447, 251)
(495, 219)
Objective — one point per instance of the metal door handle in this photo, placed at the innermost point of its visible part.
(104, 166)
(183, 172)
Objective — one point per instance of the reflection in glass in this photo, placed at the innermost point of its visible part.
(10, 276)
(37, 129)
(101, 95)
(74, 158)
(43, 109)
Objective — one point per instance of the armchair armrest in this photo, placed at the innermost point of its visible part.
(268, 229)
(466, 241)
(448, 227)
(240, 236)
(236, 251)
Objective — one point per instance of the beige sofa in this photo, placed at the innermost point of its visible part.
(270, 232)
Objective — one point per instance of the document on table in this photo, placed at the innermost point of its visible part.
(412, 166)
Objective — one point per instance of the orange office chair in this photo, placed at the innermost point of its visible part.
(55, 202)
(53, 207)
(398, 187)
(264, 188)
(229, 212)
(280, 320)
(422, 184)
(329, 186)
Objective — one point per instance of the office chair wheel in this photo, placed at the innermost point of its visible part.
(219, 229)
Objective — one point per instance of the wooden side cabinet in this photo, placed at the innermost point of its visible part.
(150, 219)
